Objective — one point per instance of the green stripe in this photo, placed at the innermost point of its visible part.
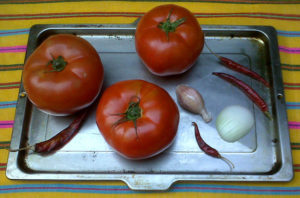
(288, 67)
(5, 142)
(11, 67)
(295, 146)
(11, 85)
(291, 85)
(295, 143)
(203, 1)
(5, 145)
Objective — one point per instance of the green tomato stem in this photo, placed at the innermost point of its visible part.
(58, 64)
(169, 26)
(132, 113)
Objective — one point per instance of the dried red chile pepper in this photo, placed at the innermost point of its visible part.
(208, 149)
(242, 69)
(251, 93)
(239, 68)
(60, 139)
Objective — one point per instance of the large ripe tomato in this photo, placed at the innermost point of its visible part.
(63, 75)
(137, 118)
(168, 40)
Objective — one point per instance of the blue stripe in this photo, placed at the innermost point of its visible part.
(10, 104)
(13, 32)
(123, 189)
(293, 105)
(231, 189)
(7, 102)
(288, 33)
(96, 189)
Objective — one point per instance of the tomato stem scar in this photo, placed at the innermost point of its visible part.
(169, 26)
(58, 64)
(132, 113)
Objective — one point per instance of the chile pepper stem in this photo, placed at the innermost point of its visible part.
(268, 114)
(169, 26)
(227, 161)
(30, 147)
(218, 56)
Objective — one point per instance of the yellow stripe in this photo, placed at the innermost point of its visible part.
(5, 133)
(293, 115)
(7, 95)
(127, 6)
(7, 114)
(289, 76)
(104, 6)
(10, 76)
(15, 40)
(295, 135)
(11, 58)
(278, 24)
(289, 42)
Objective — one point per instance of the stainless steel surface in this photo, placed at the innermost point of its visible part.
(263, 155)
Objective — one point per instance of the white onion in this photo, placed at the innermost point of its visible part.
(234, 122)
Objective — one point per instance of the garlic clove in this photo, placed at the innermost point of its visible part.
(191, 100)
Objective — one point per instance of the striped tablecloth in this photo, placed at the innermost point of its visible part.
(16, 18)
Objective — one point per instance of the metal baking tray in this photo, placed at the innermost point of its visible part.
(262, 155)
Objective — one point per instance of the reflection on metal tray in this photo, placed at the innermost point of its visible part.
(263, 155)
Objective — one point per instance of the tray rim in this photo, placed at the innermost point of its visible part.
(285, 173)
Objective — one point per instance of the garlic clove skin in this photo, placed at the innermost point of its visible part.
(206, 115)
(191, 100)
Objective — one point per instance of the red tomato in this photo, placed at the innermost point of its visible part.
(63, 75)
(137, 118)
(168, 40)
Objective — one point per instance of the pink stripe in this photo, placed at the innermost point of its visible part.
(7, 122)
(6, 126)
(64, 188)
(294, 125)
(238, 189)
(20, 48)
(289, 50)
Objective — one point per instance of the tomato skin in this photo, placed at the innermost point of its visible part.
(156, 128)
(165, 56)
(67, 91)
